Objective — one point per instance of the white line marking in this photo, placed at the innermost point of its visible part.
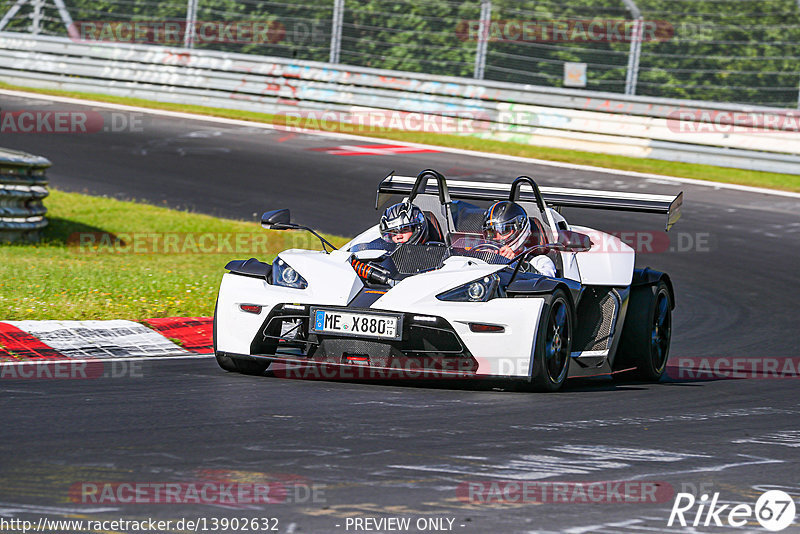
(715, 469)
(788, 438)
(473, 153)
(181, 356)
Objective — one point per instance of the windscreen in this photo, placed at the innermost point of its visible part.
(413, 259)
(476, 246)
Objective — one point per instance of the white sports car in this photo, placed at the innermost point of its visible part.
(454, 307)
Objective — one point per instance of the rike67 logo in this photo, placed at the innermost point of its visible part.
(774, 510)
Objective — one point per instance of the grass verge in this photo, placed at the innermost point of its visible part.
(102, 258)
(787, 182)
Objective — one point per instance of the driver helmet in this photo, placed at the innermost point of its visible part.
(506, 223)
(404, 223)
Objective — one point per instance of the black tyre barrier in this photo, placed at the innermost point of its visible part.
(22, 188)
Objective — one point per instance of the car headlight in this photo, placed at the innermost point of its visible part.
(284, 275)
(480, 290)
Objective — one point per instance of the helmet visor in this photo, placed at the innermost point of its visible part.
(400, 229)
(400, 234)
(495, 230)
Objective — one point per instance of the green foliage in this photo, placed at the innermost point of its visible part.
(728, 51)
(100, 258)
(743, 51)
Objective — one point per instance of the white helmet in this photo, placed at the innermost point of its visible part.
(402, 218)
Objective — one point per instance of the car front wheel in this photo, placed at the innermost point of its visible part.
(553, 345)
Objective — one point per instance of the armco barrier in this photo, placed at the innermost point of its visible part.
(22, 188)
(674, 130)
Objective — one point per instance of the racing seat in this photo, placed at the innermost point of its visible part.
(538, 235)
(434, 211)
(468, 217)
(434, 230)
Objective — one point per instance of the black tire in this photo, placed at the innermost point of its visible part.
(553, 345)
(246, 367)
(647, 332)
(226, 362)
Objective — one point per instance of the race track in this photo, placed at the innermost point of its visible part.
(398, 450)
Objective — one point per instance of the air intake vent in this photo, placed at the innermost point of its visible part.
(597, 315)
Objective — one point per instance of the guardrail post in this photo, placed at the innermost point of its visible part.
(22, 188)
(798, 91)
(798, 83)
(336, 30)
(191, 22)
(483, 39)
(632, 75)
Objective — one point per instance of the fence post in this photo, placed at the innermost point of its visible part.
(191, 22)
(632, 75)
(336, 30)
(483, 39)
(67, 20)
(36, 17)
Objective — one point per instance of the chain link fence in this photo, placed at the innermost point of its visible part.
(742, 51)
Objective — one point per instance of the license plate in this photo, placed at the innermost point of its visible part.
(355, 324)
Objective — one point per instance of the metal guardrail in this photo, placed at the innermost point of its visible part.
(22, 189)
(581, 120)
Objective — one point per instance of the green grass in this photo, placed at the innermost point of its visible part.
(786, 182)
(60, 279)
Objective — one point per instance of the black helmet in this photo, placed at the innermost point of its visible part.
(402, 218)
(507, 223)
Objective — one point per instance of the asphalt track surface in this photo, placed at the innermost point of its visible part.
(395, 450)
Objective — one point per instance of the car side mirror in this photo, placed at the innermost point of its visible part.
(276, 220)
(574, 241)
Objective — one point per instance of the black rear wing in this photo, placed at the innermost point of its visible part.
(553, 196)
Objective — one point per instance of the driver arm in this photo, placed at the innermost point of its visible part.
(507, 252)
(542, 265)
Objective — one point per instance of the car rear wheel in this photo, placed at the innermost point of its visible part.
(647, 332)
(553, 345)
